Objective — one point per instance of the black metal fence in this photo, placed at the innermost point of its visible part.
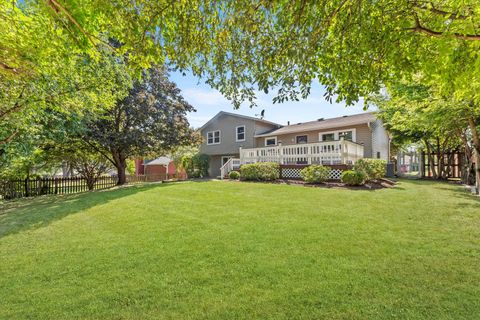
(13, 189)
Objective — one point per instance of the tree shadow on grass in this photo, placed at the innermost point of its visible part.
(463, 193)
(456, 189)
(33, 213)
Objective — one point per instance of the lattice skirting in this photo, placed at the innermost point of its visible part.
(294, 173)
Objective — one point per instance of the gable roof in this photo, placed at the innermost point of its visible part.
(323, 124)
(164, 161)
(238, 116)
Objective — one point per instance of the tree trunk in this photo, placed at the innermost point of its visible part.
(476, 145)
(431, 160)
(121, 170)
(466, 165)
(120, 162)
(122, 176)
(90, 182)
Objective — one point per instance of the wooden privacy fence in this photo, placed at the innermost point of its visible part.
(12, 189)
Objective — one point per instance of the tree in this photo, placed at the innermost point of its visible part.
(90, 166)
(240, 47)
(414, 112)
(151, 120)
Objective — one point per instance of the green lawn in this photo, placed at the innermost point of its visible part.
(228, 250)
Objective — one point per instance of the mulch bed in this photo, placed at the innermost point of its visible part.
(371, 185)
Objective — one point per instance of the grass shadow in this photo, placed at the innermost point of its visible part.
(33, 213)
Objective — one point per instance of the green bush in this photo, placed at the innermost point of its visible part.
(354, 177)
(373, 168)
(315, 173)
(262, 171)
(195, 165)
(234, 175)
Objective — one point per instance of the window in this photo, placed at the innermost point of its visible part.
(270, 141)
(347, 135)
(240, 131)
(213, 137)
(302, 139)
(328, 136)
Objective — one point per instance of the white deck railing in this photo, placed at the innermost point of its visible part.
(328, 152)
(230, 165)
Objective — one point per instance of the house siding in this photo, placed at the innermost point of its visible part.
(228, 145)
(363, 136)
(380, 141)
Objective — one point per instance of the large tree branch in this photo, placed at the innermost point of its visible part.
(419, 28)
(100, 151)
(447, 14)
(58, 7)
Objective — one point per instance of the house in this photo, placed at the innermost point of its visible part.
(226, 133)
(232, 139)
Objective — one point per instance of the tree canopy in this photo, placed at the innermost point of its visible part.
(350, 46)
(150, 120)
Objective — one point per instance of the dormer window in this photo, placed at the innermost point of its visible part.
(240, 133)
(213, 137)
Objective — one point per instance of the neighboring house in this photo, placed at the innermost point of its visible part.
(341, 140)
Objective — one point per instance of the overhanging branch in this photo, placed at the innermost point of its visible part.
(420, 28)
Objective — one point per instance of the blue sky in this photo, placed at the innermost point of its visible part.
(209, 102)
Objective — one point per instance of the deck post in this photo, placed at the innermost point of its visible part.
(343, 147)
(280, 153)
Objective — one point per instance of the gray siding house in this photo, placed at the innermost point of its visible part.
(226, 133)
(232, 139)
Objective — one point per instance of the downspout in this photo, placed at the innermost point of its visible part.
(369, 125)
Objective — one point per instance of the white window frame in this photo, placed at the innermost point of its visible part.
(301, 135)
(320, 135)
(354, 133)
(336, 134)
(244, 133)
(213, 137)
(276, 141)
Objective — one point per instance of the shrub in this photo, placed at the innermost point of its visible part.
(315, 173)
(234, 175)
(262, 171)
(195, 174)
(353, 177)
(195, 165)
(373, 168)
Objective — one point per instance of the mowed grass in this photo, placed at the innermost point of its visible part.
(230, 250)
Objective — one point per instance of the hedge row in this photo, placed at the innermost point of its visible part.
(364, 170)
(261, 171)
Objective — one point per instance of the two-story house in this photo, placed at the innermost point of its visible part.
(226, 133)
(229, 137)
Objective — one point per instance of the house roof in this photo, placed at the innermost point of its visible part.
(323, 124)
(164, 161)
(239, 116)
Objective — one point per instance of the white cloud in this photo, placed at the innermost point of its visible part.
(197, 121)
(201, 97)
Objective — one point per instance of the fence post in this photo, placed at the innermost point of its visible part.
(26, 187)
